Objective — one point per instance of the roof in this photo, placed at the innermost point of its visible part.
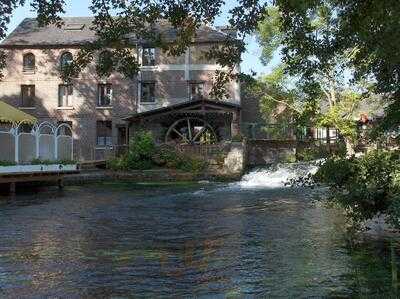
(77, 31)
(180, 106)
(9, 114)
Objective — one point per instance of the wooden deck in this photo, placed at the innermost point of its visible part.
(44, 176)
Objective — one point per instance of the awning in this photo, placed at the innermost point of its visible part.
(9, 114)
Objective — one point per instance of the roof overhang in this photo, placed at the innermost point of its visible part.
(199, 106)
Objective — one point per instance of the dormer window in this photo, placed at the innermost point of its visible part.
(29, 62)
(74, 27)
(66, 59)
(148, 57)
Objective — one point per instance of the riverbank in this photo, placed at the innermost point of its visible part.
(151, 175)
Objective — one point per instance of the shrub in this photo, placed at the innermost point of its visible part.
(117, 164)
(144, 154)
(141, 150)
(6, 163)
(50, 162)
(320, 152)
(237, 138)
(169, 157)
(364, 187)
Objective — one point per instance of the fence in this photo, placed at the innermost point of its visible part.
(22, 143)
(204, 150)
(258, 131)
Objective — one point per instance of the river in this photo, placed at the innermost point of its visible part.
(250, 239)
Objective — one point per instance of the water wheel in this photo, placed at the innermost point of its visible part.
(191, 130)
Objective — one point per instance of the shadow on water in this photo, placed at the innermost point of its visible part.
(163, 240)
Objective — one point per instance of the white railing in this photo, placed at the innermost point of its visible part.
(44, 141)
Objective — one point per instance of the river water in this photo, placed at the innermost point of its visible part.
(243, 240)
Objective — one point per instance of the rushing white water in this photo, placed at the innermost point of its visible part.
(276, 176)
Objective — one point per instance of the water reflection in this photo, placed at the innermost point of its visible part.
(124, 241)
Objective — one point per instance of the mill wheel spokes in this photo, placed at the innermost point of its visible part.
(190, 130)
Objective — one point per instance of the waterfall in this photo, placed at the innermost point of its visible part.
(276, 176)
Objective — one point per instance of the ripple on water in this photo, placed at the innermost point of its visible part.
(220, 240)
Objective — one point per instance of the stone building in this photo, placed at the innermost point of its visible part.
(100, 109)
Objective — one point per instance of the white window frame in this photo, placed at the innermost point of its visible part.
(32, 97)
(152, 49)
(68, 102)
(142, 83)
(109, 94)
(104, 141)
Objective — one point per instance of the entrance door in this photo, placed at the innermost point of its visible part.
(122, 136)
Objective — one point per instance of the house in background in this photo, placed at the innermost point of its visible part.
(169, 95)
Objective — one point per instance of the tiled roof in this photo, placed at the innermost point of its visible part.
(76, 31)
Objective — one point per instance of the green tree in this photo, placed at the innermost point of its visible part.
(326, 94)
(367, 31)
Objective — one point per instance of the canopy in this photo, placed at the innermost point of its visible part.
(10, 114)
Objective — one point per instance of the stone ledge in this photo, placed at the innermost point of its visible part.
(152, 175)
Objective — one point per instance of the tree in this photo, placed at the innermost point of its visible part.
(279, 102)
(366, 30)
(327, 84)
(117, 21)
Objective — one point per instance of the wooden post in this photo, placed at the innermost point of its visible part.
(60, 184)
(235, 125)
(16, 148)
(13, 188)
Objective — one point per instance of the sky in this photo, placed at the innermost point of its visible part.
(80, 8)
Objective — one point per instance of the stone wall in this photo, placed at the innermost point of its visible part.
(227, 159)
(265, 152)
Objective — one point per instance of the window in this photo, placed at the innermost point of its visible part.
(64, 130)
(122, 135)
(74, 27)
(65, 92)
(148, 92)
(148, 57)
(66, 59)
(29, 62)
(196, 90)
(27, 95)
(104, 95)
(104, 133)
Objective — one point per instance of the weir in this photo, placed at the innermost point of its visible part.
(276, 176)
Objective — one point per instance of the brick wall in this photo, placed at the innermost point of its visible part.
(170, 74)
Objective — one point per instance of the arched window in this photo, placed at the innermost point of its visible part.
(105, 65)
(66, 59)
(29, 62)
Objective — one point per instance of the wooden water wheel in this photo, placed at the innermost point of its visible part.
(191, 130)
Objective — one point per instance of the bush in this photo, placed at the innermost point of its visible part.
(144, 154)
(364, 187)
(6, 163)
(320, 152)
(50, 162)
(237, 138)
(141, 149)
(169, 157)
